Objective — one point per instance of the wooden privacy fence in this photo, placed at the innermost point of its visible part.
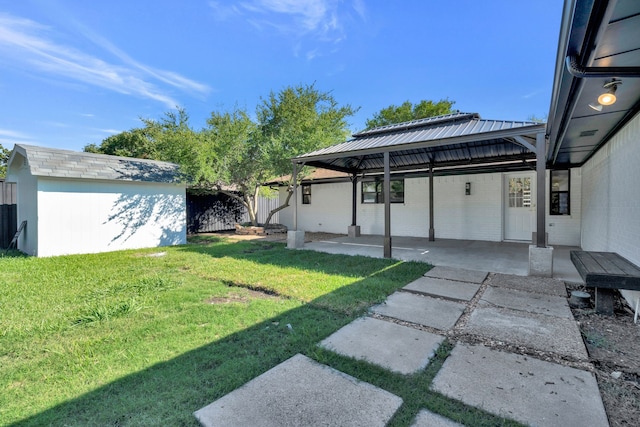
(8, 213)
(207, 213)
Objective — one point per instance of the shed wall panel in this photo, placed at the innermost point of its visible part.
(90, 217)
(27, 201)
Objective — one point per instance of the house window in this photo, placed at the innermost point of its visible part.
(559, 203)
(519, 192)
(373, 191)
(306, 194)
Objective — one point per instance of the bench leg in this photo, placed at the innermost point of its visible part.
(604, 301)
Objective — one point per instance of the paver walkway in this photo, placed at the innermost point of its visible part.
(402, 334)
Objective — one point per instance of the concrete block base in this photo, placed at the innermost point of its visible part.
(540, 261)
(295, 239)
(353, 231)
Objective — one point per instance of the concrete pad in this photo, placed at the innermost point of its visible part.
(536, 331)
(392, 346)
(541, 285)
(429, 419)
(302, 392)
(531, 391)
(526, 301)
(449, 289)
(458, 274)
(432, 312)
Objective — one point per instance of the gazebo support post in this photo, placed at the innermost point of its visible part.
(541, 255)
(295, 237)
(354, 229)
(387, 206)
(432, 231)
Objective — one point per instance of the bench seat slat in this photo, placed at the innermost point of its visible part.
(606, 270)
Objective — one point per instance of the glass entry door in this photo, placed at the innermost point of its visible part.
(520, 208)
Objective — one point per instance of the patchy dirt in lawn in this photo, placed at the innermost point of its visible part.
(613, 343)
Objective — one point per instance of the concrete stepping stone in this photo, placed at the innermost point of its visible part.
(541, 285)
(528, 390)
(302, 392)
(426, 311)
(429, 419)
(458, 274)
(532, 330)
(394, 347)
(527, 301)
(450, 289)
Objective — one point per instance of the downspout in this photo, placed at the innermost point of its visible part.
(576, 70)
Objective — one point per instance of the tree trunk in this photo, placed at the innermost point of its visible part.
(279, 208)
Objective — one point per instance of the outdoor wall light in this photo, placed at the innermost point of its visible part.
(609, 96)
(467, 189)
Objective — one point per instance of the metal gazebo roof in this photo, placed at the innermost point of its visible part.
(461, 140)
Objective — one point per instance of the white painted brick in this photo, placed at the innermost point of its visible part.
(611, 198)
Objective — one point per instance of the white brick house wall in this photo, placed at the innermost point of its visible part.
(478, 216)
(611, 198)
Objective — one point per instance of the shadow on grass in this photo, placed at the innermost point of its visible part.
(168, 393)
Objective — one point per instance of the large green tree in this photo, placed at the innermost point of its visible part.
(407, 112)
(4, 158)
(291, 122)
(235, 154)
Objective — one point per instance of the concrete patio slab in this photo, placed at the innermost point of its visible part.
(531, 391)
(497, 257)
(458, 274)
(426, 311)
(450, 289)
(526, 301)
(389, 345)
(429, 419)
(302, 392)
(541, 285)
(532, 330)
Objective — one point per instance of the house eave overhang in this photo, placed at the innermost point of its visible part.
(599, 41)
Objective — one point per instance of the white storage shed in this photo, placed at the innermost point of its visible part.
(76, 202)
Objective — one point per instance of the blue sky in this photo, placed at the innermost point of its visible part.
(73, 72)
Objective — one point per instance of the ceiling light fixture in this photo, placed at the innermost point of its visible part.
(597, 107)
(609, 96)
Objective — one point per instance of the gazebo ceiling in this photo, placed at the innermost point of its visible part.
(461, 140)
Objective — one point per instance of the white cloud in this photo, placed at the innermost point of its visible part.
(9, 137)
(322, 20)
(13, 134)
(29, 44)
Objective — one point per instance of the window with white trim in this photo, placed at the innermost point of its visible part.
(373, 191)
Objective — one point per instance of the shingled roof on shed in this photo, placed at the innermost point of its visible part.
(52, 162)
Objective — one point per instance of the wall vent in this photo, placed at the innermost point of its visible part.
(588, 132)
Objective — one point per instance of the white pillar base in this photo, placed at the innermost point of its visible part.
(295, 239)
(540, 261)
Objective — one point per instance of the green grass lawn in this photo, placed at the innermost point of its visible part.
(133, 338)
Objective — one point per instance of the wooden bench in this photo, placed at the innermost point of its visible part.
(606, 271)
